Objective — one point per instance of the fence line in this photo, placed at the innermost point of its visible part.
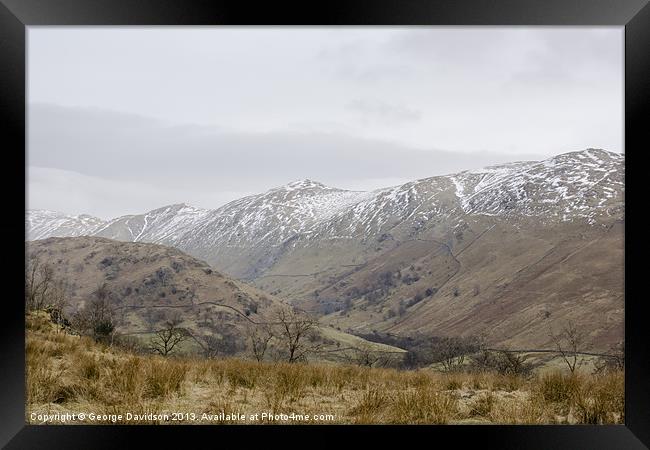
(570, 353)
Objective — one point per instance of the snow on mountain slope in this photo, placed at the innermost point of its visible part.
(161, 226)
(382, 210)
(42, 224)
(573, 186)
(569, 186)
(263, 220)
(272, 217)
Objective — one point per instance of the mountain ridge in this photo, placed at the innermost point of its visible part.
(462, 181)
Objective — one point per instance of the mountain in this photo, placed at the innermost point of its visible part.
(245, 236)
(161, 226)
(147, 284)
(41, 224)
(578, 186)
(486, 250)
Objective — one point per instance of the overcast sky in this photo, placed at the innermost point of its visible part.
(124, 120)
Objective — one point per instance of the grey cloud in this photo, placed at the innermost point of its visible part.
(103, 143)
(75, 193)
(202, 162)
(347, 50)
(360, 72)
(567, 60)
(386, 113)
(550, 57)
(450, 45)
(469, 84)
(359, 59)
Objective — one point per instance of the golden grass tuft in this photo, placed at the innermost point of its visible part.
(483, 405)
(559, 387)
(164, 377)
(424, 406)
(73, 374)
(601, 399)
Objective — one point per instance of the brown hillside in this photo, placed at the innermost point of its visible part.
(147, 284)
(514, 285)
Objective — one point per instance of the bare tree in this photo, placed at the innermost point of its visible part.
(569, 343)
(614, 360)
(618, 355)
(166, 340)
(97, 317)
(56, 303)
(211, 346)
(39, 279)
(296, 332)
(259, 337)
(453, 357)
(43, 291)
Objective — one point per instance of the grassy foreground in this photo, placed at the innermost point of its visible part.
(73, 375)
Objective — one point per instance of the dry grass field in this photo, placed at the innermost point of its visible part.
(72, 374)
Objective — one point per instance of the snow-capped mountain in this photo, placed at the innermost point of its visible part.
(41, 224)
(569, 186)
(251, 233)
(578, 186)
(161, 226)
(274, 216)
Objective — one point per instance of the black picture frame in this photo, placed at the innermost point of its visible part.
(16, 15)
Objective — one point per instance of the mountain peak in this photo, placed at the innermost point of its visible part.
(304, 183)
(590, 153)
(173, 208)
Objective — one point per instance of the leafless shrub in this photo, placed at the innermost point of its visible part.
(42, 289)
(613, 361)
(259, 338)
(212, 346)
(451, 351)
(513, 363)
(224, 342)
(364, 356)
(569, 342)
(97, 318)
(504, 362)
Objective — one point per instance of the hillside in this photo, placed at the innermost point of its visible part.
(512, 286)
(149, 284)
